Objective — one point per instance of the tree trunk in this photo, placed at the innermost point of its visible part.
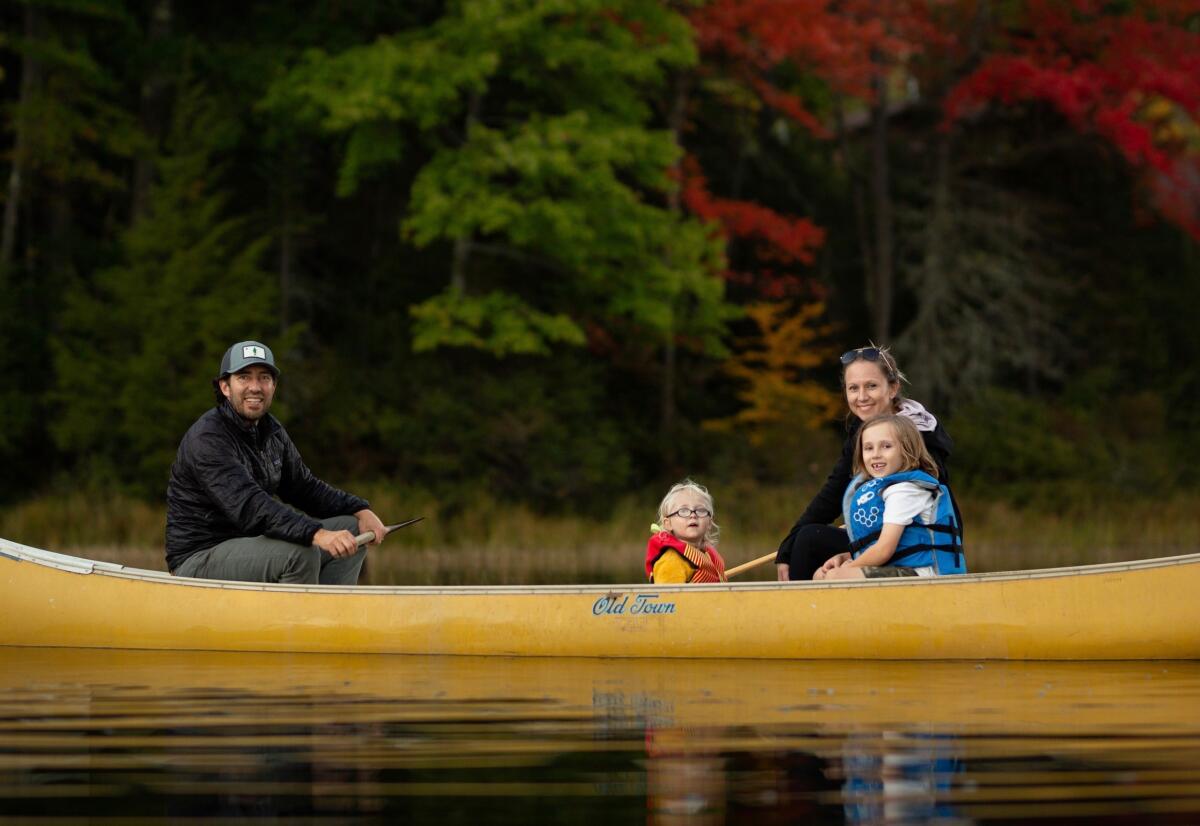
(939, 218)
(865, 248)
(458, 266)
(881, 286)
(30, 79)
(667, 411)
(462, 244)
(287, 254)
(153, 114)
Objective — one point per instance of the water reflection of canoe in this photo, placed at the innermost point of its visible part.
(1083, 700)
(1132, 610)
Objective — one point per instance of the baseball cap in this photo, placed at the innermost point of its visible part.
(245, 353)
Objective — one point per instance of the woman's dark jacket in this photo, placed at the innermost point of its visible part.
(826, 506)
(225, 480)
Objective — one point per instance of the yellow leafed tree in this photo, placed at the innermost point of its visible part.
(775, 366)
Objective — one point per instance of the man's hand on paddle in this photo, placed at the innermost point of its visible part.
(368, 521)
(337, 543)
(342, 543)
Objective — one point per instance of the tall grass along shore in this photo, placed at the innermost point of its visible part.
(495, 543)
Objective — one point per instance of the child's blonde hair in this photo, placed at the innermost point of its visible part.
(713, 534)
(912, 446)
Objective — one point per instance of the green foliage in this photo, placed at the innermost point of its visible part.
(497, 322)
(141, 342)
(540, 429)
(554, 184)
(1007, 439)
(1048, 454)
(535, 115)
(553, 192)
(590, 54)
(72, 126)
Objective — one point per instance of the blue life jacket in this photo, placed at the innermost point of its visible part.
(914, 776)
(937, 544)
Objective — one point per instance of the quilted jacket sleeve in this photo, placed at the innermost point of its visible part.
(298, 486)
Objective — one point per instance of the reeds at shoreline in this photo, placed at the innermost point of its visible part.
(492, 543)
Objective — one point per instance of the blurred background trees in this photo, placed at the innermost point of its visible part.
(560, 251)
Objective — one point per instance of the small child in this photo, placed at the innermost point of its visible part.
(684, 548)
(900, 520)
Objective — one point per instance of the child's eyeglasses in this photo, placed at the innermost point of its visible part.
(686, 512)
(865, 353)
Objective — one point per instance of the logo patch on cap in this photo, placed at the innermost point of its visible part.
(253, 351)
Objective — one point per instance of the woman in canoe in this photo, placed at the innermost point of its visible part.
(684, 548)
(900, 520)
(871, 381)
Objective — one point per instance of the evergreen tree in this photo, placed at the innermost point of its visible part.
(65, 140)
(141, 343)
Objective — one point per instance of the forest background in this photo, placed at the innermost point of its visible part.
(525, 264)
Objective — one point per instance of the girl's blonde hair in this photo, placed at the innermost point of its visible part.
(912, 446)
(713, 534)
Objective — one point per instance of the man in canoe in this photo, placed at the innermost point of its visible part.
(233, 480)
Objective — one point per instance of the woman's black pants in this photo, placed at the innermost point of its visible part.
(808, 548)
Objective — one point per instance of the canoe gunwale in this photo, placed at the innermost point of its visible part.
(80, 565)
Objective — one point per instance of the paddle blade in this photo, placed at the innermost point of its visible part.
(403, 524)
(364, 538)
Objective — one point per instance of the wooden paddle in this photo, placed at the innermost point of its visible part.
(364, 538)
(754, 563)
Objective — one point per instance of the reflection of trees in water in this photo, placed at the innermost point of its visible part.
(326, 770)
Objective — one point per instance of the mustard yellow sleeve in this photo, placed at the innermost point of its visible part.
(672, 568)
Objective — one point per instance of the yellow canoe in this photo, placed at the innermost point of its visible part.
(1119, 611)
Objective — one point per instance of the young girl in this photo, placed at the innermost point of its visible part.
(899, 519)
(684, 548)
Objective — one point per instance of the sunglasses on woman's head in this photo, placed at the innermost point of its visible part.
(865, 353)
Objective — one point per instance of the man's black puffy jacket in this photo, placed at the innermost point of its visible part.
(226, 476)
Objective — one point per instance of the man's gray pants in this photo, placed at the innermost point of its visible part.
(262, 559)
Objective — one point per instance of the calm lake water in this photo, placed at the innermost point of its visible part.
(122, 735)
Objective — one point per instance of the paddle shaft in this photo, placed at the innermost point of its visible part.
(364, 538)
(754, 563)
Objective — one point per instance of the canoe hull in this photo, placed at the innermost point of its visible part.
(1143, 610)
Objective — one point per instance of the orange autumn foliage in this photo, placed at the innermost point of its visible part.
(775, 367)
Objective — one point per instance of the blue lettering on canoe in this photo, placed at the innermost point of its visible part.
(610, 604)
(648, 604)
(642, 604)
